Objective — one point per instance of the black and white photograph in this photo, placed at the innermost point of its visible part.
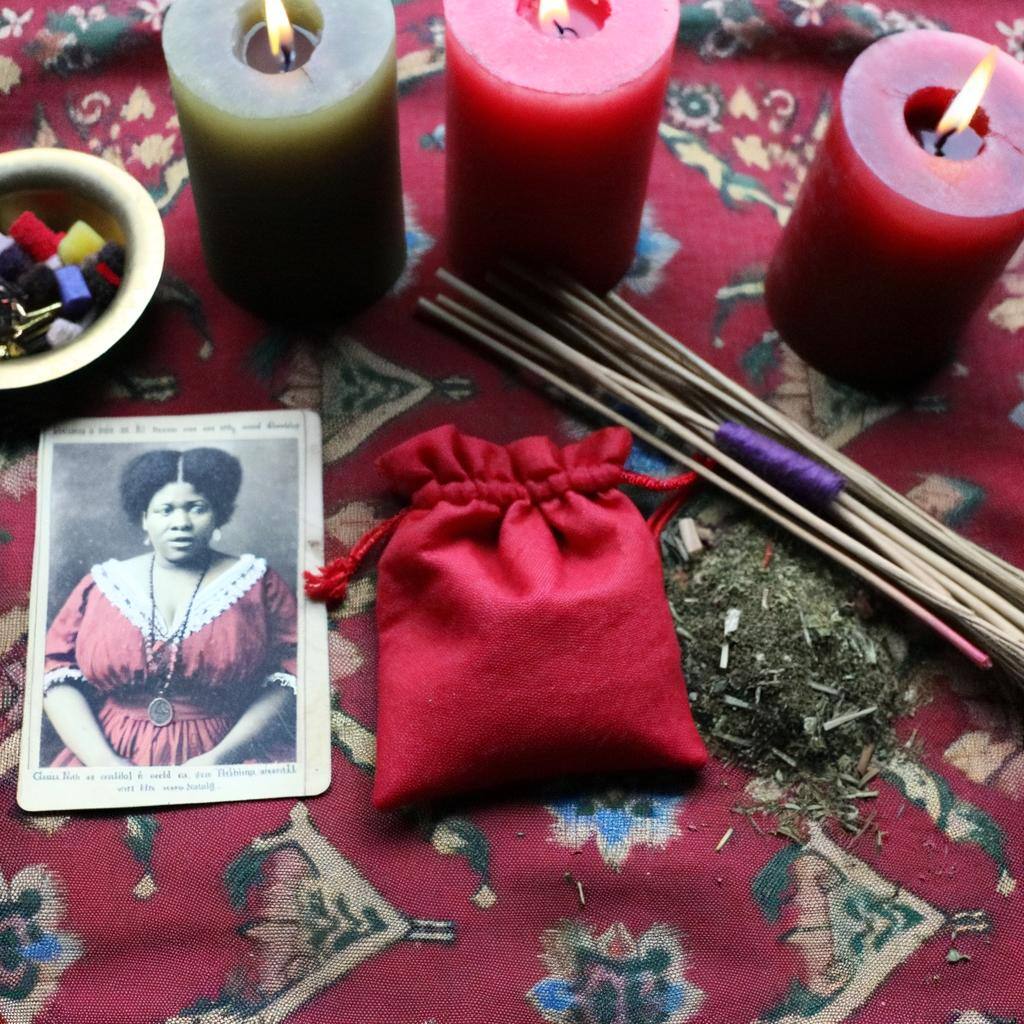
(172, 652)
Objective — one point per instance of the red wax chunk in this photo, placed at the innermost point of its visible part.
(892, 245)
(105, 272)
(34, 236)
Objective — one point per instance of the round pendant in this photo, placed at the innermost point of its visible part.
(161, 711)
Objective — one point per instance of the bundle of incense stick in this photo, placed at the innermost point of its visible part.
(601, 352)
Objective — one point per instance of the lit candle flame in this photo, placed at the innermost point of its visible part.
(279, 32)
(553, 12)
(961, 111)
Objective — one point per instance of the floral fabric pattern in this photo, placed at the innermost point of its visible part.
(614, 978)
(617, 821)
(34, 953)
(624, 901)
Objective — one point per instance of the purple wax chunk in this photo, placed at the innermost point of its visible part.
(13, 262)
(40, 286)
(75, 296)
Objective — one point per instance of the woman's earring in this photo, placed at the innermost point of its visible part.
(216, 535)
(146, 541)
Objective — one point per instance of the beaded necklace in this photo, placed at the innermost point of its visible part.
(161, 710)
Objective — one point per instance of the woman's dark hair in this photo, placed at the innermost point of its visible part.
(215, 474)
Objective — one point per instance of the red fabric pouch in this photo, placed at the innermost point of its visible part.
(523, 626)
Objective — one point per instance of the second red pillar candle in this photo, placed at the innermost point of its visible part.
(892, 246)
(551, 126)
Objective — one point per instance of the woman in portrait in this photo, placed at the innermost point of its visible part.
(183, 655)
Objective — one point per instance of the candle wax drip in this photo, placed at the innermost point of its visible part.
(257, 53)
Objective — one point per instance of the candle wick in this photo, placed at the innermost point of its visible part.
(564, 29)
(941, 141)
(287, 57)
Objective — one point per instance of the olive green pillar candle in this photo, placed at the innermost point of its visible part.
(295, 174)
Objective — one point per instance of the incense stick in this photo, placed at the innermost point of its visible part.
(464, 325)
(570, 337)
(903, 511)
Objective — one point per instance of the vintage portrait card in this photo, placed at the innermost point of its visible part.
(173, 657)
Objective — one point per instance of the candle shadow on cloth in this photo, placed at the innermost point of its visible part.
(907, 392)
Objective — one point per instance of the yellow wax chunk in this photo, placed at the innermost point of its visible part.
(80, 242)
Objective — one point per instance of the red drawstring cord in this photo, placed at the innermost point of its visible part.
(657, 483)
(331, 582)
(665, 512)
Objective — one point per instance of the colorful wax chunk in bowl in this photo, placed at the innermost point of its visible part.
(81, 253)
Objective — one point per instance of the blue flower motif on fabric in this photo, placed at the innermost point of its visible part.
(33, 953)
(648, 460)
(618, 821)
(433, 140)
(45, 951)
(654, 249)
(417, 243)
(614, 978)
(1017, 416)
(553, 996)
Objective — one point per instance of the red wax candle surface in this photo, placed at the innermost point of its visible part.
(891, 248)
(550, 134)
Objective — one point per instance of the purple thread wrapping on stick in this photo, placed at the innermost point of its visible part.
(806, 481)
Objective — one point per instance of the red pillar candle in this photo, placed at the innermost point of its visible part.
(891, 247)
(551, 126)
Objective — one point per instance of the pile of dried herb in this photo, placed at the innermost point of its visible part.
(795, 671)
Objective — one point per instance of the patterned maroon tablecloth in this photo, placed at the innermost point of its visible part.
(267, 911)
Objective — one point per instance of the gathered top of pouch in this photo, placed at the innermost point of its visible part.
(446, 465)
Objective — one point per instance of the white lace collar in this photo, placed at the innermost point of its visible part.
(119, 587)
